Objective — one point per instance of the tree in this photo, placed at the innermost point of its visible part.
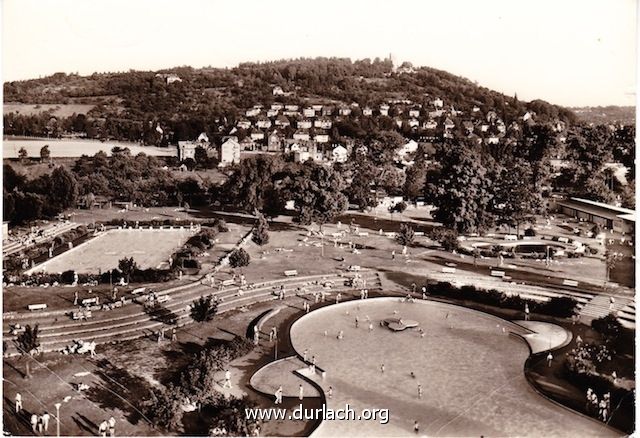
(406, 235)
(239, 258)
(164, 407)
(261, 232)
(461, 190)
(22, 154)
(360, 191)
(127, 266)
(448, 239)
(515, 196)
(415, 180)
(64, 189)
(45, 153)
(317, 194)
(27, 343)
(252, 181)
(611, 259)
(203, 309)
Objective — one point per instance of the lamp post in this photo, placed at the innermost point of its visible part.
(57, 405)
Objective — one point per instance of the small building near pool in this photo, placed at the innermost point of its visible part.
(608, 216)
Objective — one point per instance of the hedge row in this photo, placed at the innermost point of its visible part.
(562, 307)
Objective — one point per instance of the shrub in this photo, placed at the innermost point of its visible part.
(67, 277)
(529, 232)
(406, 235)
(261, 232)
(447, 238)
(563, 307)
(239, 258)
(203, 309)
(398, 208)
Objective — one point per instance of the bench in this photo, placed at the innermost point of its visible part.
(510, 237)
(354, 268)
(563, 239)
(88, 301)
(500, 274)
(229, 282)
(572, 283)
(363, 233)
(448, 270)
(138, 290)
(290, 273)
(41, 306)
(163, 298)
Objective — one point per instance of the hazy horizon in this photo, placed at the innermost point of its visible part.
(574, 53)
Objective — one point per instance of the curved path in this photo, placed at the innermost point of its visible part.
(132, 321)
(471, 372)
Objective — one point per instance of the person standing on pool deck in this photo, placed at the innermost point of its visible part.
(330, 392)
(382, 368)
(278, 395)
(393, 254)
(300, 392)
(18, 402)
(526, 312)
(370, 326)
(416, 426)
(419, 391)
(357, 321)
(227, 379)
(304, 354)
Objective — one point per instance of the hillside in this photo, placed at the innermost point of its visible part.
(187, 101)
(625, 115)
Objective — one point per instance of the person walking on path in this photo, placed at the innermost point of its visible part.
(75, 298)
(382, 368)
(174, 335)
(419, 391)
(18, 402)
(227, 379)
(330, 392)
(102, 428)
(305, 354)
(416, 426)
(393, 254)
(300, 392)
(34, 422)
(45, 421)
(278, 395)
(549, 358)
(112, 426)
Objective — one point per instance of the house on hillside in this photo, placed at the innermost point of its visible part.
(301, 135)
(243, 124)
(277, 91)
(263, 123)
(256, 135)
(430, 124)
(323, 123)
(437, 103)
(309, 112)
(252, 112)
(339, 154)
(366, 111)
(247, 144)
(384, 109)
(468, 126)
(327, 111)
(277, 106)
(187, 149)
(304, 124)
(282, 122)
(414, 123)
(274, 142)
(414, 112)
(448, 124)
(272, 112)
(321, 138)
(344, 111)
(291, 107)
(229, 151)
(317, 108)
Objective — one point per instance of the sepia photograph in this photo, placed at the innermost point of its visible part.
(330, 219)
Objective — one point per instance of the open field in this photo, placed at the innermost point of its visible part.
(149, 248)
(471, 373)
(62, 148)
(57, 109)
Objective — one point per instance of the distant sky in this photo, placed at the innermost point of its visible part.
(569, 52)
